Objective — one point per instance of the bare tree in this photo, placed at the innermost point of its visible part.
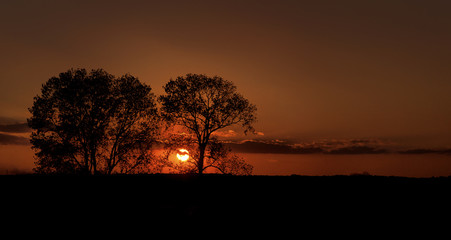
(203, 105)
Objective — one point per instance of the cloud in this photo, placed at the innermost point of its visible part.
(9, 120)
(10, 134)
(357, 150)
(226, 134)
(15, 128)
(349, 146)
(251, 146)
(330, 146)
(13, 171)
(426, 151)
(233, 134)
(8, 139)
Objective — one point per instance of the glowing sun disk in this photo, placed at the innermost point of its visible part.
(182, 155)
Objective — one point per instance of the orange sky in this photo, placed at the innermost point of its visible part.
(322, 68)
(315, 69)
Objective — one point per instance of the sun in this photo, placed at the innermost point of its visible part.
(182, 155)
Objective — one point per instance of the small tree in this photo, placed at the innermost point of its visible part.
(222, 159)
(93, 123)
(204, 105)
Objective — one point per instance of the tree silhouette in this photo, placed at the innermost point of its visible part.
(204, 105)
(93, 123)
(217, 156)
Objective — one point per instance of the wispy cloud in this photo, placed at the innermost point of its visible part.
(329, 146)
(15, 128)
(426, 151)
(9, 139)
(236, 134)
(225, 134)
(253, 146)
(357, 150)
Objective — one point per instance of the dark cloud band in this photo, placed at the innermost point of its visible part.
(7, 139)
(15, 128)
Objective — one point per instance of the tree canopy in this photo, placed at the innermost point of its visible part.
(93, 123)
(204, 105)
(96, 123)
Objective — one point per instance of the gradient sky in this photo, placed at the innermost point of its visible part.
(315, 69)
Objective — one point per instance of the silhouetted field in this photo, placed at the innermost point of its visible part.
(250, 197)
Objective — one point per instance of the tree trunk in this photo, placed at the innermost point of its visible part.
(200, 163)
(93, 161)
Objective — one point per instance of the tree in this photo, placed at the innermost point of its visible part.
(93, 123)
(222, 159)
(217, 156)
(204, 105)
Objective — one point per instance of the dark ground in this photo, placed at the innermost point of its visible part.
(348, 201)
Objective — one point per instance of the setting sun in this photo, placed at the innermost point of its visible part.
(182, 155)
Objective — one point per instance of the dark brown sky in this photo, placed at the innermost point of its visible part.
(315, 69)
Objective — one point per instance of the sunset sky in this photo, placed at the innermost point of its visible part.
(319, 72)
